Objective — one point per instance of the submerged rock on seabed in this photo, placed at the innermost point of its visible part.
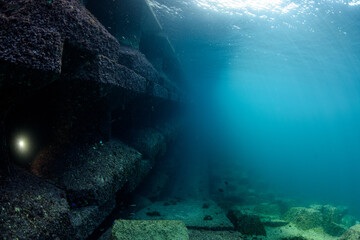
(149, 230)
(330, 213)
(352, 233)
(304, 218)
(94, 174)
(246, 223)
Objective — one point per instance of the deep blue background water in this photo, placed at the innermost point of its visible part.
(279, 87)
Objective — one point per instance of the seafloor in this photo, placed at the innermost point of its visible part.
(235, 210)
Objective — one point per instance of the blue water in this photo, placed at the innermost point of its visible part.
(277, 84)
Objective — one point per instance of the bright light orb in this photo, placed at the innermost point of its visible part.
(22, 145)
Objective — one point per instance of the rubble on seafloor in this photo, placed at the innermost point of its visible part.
(265, 218)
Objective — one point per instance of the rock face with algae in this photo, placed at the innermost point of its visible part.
(352, 233)
(149, 230)
(304, 218)
(33, 209)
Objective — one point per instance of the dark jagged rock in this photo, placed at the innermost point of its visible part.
(35, 34)
(25, 44)
(92, 178)
(96, 172)
(246, 223)
(135, 60)
(111, 74)
(141, 170)
(86, 219)
(33, 209)
(149, 142)
(43, 23)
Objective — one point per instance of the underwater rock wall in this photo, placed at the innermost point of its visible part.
(97, 115)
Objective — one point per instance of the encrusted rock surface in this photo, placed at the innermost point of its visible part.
(23, 43)
(96, 172)
(86, 219)
(149, 230)
(304, 218)
(133, 59)
(43, 26)
(330, 213)
(33, 209)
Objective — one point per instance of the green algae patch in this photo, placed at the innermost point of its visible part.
(149, 230)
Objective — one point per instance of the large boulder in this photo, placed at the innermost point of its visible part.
(330, 213)
(246, 223)
(352, 233)
(96, 172)
(331, 219)
(149, 230)
(304, 218)
(92, 175)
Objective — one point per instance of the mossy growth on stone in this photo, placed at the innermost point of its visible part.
(304, 218)
(352, 233)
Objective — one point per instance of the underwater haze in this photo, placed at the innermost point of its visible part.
(275, 85)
